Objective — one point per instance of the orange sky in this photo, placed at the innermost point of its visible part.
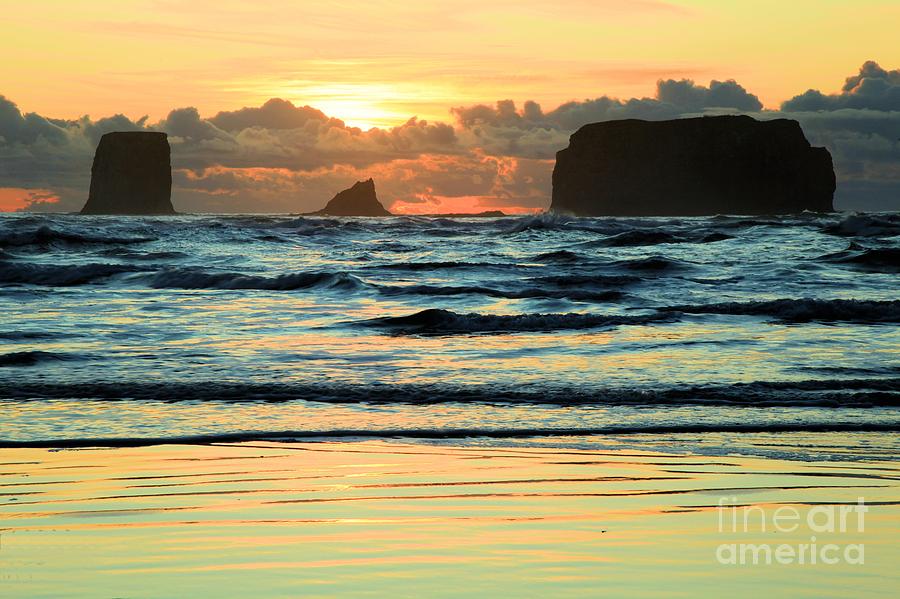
(378, 62)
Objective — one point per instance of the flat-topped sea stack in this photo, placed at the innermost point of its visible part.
(132, 174)
(359, 200)
(692, 167)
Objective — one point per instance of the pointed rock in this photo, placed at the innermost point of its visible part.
(359, 200)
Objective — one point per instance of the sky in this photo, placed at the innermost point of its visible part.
(275, 106)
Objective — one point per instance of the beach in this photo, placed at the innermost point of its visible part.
(553, 517)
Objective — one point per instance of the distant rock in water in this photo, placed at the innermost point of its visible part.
(132, 174)
(692, 167)
(485, 214)
(359, 200)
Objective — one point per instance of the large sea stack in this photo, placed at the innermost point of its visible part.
(132, 174)
(692, 167)
(359, 200)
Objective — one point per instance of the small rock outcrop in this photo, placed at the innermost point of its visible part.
(692, 167)
(359, 200)
(132, 174)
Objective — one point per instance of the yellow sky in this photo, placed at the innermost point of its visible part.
(379, 62)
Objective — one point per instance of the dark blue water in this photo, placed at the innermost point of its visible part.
(211, 325)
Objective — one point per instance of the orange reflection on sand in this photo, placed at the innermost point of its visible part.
(515, 519)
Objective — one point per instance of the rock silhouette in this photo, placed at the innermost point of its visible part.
(131, 174)
(359, 200)
(692, 167)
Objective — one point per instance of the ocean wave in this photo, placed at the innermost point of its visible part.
(429, 266)
(805, 310)
(545, 221)
(559, 256)
(875, 259)
(581, 281)
(837, 392)
(525, 293)
(651, 263)
(317, 224)
(195, 278)
(866, 225)
(644, 237)
(436, 321)
(552, 221)
(44, 236)
(29, 335)
(33, 358)
(805, 219)
(129, 254)
(51, 275)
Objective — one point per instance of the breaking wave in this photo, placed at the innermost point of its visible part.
(867, 225)
(44, 235)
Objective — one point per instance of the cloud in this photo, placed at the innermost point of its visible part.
(673, 98)
(873, 88)
(279, 157)
(274, 114)
(503, 129)
(429, 183)
(16, 128)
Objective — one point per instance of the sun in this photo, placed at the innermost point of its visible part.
(362, 105)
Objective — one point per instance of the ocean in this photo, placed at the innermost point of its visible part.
(509, 330)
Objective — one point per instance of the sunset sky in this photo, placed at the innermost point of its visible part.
(380, 62)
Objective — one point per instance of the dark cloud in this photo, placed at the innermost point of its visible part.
(873, 88)
(673, 98)
(30, 128)
(185, 123)
(274, 114)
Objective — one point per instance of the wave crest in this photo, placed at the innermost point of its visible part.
(51, 275)
(436, 321)
(44, 236)
(805, 310)
(195, 278)
(867, 225)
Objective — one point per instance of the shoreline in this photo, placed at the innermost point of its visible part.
(399, 435)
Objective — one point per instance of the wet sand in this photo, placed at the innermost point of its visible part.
(403, 519)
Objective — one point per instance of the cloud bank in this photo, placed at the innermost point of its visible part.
(280, 157)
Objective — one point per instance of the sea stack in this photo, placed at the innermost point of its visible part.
(132, 174)
(692, 167)
(359, 200)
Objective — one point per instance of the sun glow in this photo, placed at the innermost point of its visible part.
(358, 105)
